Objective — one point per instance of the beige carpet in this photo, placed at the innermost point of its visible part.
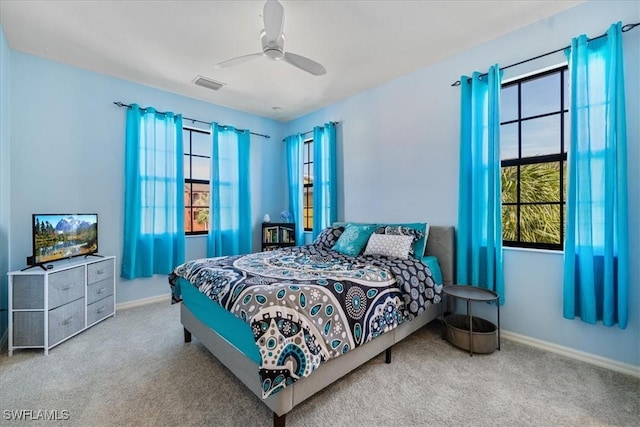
(135, 370)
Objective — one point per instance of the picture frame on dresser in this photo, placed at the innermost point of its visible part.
(47, 307)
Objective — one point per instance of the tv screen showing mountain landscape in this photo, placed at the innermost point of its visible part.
(64, 236)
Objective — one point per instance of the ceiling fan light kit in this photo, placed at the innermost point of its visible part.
(272, 40)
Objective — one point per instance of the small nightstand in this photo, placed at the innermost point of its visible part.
(462, 334)
(276, 235)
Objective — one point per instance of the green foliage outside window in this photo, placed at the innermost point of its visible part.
(202, 217)
(540, 217)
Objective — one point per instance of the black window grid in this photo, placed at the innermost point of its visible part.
(521, 161)
(307, 191)
(191, 209)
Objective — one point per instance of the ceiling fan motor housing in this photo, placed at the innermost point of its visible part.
(273, 49)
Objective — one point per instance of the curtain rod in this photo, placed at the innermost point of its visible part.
(624, 30)
(309, 131)
(120, 104)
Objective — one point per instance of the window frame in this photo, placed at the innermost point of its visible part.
(189, 209)
(307, 187)
(520, 161)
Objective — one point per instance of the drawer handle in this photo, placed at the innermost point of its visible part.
(101, 309)
(99, 271)
(66, 321)
(65, 288)
(101, 290)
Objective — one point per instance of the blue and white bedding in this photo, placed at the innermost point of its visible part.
(306, 305)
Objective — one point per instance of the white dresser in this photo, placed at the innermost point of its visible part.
(47, 307)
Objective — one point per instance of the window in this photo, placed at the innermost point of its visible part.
(307, 190)
(197, 169)
(534, 132)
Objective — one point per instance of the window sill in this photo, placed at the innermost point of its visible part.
(534, 250)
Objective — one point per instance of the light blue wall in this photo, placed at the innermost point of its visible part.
(67, 154)
(398, 147)
(5, 77)
(398, 161)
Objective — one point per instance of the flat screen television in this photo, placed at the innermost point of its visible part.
(59, 236)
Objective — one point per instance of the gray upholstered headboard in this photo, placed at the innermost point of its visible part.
(442, 244)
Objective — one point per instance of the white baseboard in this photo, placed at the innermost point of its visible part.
(603, 362)
(144, 301)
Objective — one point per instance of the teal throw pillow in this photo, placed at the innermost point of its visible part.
(354, 238)
(434, 266)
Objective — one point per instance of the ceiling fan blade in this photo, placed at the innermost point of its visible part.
(304, 64)
(273, 15)
(238, 60)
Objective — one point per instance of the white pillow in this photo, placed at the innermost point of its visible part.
(391, 245)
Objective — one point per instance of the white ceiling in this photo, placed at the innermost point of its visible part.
(166, 44)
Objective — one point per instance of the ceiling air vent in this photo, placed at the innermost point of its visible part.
(208, 83)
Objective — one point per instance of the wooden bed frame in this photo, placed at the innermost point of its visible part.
(440, 243)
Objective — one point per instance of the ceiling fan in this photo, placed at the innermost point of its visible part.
(272, 38)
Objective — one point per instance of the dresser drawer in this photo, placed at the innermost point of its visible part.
(28, 292)
(99, 271)
(99, 290)
(99, 310)
(66, 286)
(28, 328)
(65, 321)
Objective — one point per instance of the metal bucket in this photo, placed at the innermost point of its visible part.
(484, 339)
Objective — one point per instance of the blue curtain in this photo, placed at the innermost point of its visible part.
(154, 199)
(479, 235)
(325, 197)
(230, 231)
(293, 147)
(596, 254)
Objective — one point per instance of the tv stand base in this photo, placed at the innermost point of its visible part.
(96, 255)
(42, 266)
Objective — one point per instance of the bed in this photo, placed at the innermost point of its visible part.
(288, 323)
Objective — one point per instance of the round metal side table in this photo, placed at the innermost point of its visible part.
(471, 294)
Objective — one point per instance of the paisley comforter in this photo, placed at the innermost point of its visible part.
(308, 304)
